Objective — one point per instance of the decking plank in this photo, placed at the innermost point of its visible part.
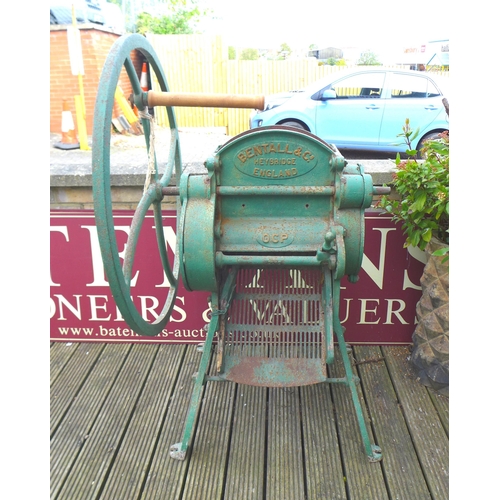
(65, 388)
(285, 467)
(363, 479)
(128, 473)
(402, 471)
(98, 452)
(427, 432)
(205, 477)
(71, 435)
(323, 463)
(251, 442)
(245, 477)
(442, 405)
(166, 476)
(60, 353)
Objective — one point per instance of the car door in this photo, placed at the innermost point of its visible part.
(414, 97)
(353, 118)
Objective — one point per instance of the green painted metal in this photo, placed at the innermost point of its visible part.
(198, 249)
(275, 193)
(119, 276)
(270, 228)
(275, 198)
(179, 450)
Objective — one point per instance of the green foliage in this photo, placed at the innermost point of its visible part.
(178, 22)
(284, 47)
(423, 186)
(249, 54)
(331, 61)
(368, 58)
(231, 53)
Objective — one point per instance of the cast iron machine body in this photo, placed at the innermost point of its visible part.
(269, 228)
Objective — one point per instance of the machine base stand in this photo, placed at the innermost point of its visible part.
(377, 454)
(176, 452)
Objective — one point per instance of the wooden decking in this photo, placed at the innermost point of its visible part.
(117, 408)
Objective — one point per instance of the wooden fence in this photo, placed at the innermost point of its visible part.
(199, 63)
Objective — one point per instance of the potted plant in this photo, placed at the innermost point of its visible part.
(421, 204)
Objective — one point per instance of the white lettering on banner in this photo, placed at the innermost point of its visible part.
(377, 275)
(94, 307)
(278, 310)
(182, 312)
(116, 332)
(63, 230)
(387, 298)
(97, 303)
(76, 310)
(255, 281)
(347, 308)
(298, 281)
(151, 309)
(97, 265)
(419, 255)
(206, 315)
(391, 312)
(154, 304)
(365, 310)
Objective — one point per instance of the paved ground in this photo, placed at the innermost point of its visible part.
(128, 156)
(195, 143)
(129, 150)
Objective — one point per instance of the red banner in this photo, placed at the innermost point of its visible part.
(378, 309)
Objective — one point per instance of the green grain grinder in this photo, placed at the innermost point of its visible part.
(269, 228)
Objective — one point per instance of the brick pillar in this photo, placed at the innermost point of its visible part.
(96, 44)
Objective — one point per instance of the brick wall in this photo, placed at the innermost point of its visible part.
(96, 44)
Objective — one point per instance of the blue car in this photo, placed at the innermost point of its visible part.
(362, 109)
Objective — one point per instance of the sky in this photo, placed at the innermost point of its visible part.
(377, 26)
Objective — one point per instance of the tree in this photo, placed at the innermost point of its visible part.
(182, 15)
(249, 55)
(368, 58)
(284, 51)
(177, 24)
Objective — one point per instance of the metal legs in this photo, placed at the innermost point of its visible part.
(373, 451)
(179, 450)
(331, 299)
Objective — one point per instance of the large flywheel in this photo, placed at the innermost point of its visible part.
(118, 274)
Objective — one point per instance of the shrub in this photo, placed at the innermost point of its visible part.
(423, 188)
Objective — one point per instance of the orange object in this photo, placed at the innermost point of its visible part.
(68, 139)
(144, 77)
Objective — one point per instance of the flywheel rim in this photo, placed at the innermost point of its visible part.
(119, 276)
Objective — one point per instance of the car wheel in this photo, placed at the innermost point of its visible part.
(432, 135)
(293, 123)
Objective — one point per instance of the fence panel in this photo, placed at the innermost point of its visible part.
(199, 63)
(192, 63)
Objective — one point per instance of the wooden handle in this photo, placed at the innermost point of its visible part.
(200, 100)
